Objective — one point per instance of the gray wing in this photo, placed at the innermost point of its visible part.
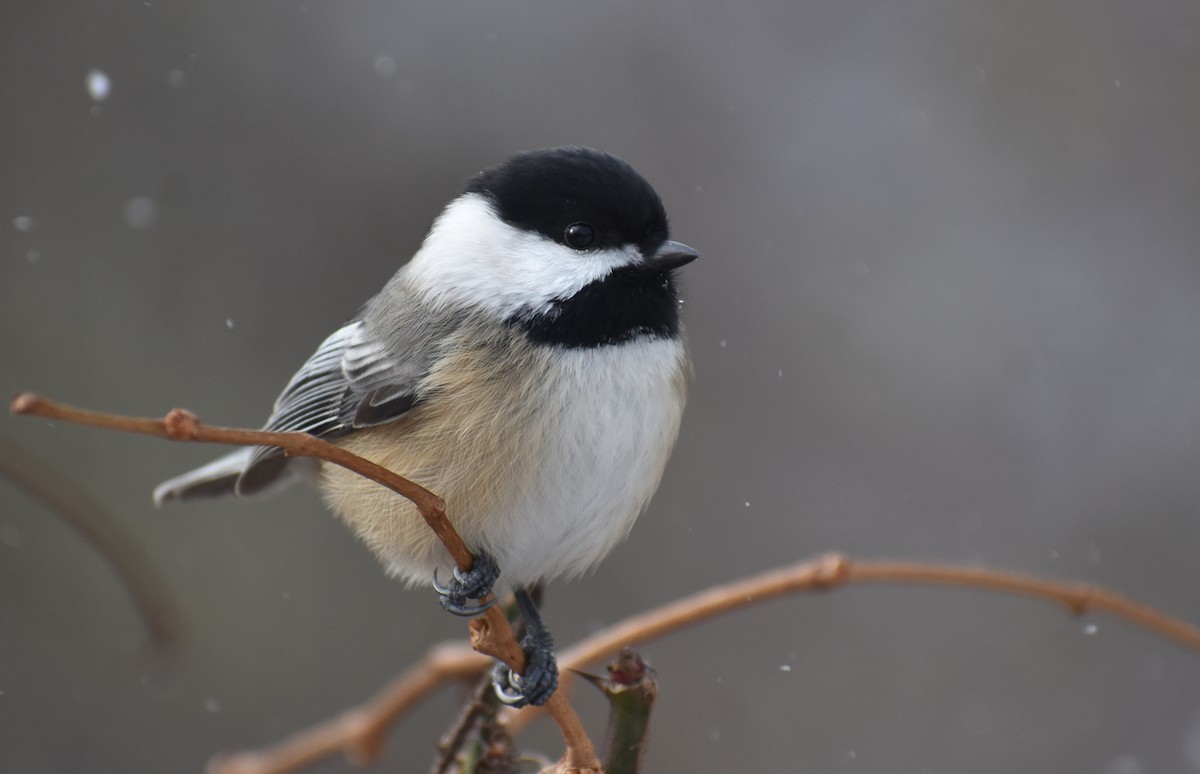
(353, 380)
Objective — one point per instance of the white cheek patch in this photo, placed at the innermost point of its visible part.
(473, 257)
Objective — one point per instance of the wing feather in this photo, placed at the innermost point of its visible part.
(353, 380)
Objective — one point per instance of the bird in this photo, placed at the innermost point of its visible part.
(527, 364)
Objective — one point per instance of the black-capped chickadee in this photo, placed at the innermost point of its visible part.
(527, 365)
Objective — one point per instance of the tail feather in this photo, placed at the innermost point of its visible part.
(216, 479)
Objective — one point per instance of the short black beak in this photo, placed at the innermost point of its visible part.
(671, 255)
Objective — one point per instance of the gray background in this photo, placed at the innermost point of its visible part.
(947, 310)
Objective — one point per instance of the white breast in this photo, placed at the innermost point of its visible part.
(603, 457)
(545, 458)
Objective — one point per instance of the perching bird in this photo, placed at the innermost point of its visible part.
(527, 365)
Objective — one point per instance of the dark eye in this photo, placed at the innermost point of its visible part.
(579, 235)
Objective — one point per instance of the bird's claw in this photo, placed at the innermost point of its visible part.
(540, 679)
(469, 586)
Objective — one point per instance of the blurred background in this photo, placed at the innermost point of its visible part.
(946, 310)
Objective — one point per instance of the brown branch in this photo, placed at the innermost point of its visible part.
(479, 709)
(122, 551)
(821, 574)
(359, 732)
(486, 638)
(490, 633)
(183, 425)
(834, 570)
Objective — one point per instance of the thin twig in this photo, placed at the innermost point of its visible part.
(834, 570)
(821, 574)
(490, 633)
(488, 637)
(481, 702)
(359, 732)
(124, 554)
(183, 425)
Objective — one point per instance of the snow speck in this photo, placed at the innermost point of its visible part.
(212, 706)
(176, 78)
(141, 212)
(33, 256)
(722, 343)
(1090, 629)
(852, 753)
(98, 85)
(785, 667)
(229, 323)
(385, 66)
(23, 223)
(747, 503)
